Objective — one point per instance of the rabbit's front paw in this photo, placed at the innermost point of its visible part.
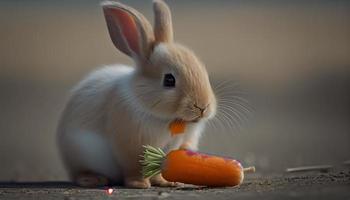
(159, 181)
(138, 183)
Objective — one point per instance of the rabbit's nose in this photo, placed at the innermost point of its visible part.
(201, 108)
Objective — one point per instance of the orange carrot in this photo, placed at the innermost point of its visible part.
(190, 167)
(177, 127)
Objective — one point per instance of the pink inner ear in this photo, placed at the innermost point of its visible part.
(129, 29)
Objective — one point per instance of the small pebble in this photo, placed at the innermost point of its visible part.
(163, 194)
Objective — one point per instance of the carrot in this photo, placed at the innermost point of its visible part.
(177, 127)
(190, 167)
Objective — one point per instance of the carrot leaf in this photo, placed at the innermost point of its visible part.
(152, 161)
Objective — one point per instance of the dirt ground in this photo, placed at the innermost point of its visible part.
(311, 185)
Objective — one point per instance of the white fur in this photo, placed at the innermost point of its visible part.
(161, 51)
(103, 127)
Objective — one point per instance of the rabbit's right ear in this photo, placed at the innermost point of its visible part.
(163, 25)
(129, 30)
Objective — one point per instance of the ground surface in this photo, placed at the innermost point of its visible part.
(314, 185)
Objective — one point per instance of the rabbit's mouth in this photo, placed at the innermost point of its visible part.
(194, 120)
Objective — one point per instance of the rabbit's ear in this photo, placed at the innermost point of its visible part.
(129, 30)
(163, 26)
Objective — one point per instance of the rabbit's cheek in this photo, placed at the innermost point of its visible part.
(210, 112)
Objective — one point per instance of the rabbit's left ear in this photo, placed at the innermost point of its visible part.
(163, 26)
(130, 31)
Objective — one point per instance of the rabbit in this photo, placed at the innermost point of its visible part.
(116, 110)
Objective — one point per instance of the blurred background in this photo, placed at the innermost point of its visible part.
(291, 58)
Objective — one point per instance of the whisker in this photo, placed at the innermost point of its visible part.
(245, 108)
(233, 109)
(235, 101)
(228, 127)
(226, 83)
(236, 109)
(235, 116)
(228, 123)
(220, 122)
(217, 124)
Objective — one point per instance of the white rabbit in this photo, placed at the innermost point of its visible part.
(117, 109)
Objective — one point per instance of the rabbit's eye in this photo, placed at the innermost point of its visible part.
(169, 81)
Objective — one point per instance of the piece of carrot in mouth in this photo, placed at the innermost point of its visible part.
(177, 126)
